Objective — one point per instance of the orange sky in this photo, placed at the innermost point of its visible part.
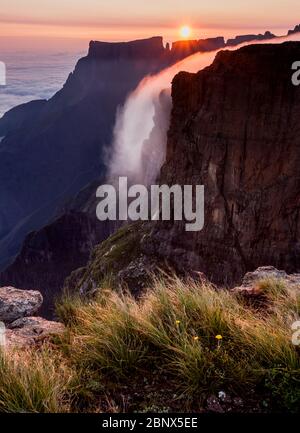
(72, 23)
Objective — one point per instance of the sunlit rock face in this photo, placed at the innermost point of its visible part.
(183, 48)
(235, 129)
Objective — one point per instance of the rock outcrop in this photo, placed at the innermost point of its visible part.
(269, 272)
(140, 49)
(119, 257)
(252, 290)
(18, 327)
(15, 303)
(31, 331)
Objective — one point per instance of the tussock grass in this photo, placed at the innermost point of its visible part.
(35, 381)
(174, 327)
(201, 340)
(105, 336)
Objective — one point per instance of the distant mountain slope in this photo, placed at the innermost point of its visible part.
(53, 149)
(19, 116)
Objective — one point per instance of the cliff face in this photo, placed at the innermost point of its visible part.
(235, 130)
(50, 254)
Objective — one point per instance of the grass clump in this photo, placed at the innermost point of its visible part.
(35, 381)
(188, 339)
(204, 340)
(106, 337)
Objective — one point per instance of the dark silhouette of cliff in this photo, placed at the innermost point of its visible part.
(295, 30)
(249, 38)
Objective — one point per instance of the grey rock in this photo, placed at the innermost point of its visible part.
(261, 273)
(15, 303)
(249, 285)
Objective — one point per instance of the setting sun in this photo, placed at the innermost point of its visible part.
(185, 31)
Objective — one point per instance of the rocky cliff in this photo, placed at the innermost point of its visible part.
(54, 148)
(61, 142)
(19, 116)
(234, 129)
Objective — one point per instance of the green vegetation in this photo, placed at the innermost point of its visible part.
(185, 338)
(109, 257)
(35, 381)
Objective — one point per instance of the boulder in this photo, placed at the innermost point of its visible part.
(261, 273)
(264, 272)
(15, 303)
(31, 331)
(249, 287)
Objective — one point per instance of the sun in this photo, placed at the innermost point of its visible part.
(185, 31)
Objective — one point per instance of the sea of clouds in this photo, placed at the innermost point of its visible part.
(32, 76)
